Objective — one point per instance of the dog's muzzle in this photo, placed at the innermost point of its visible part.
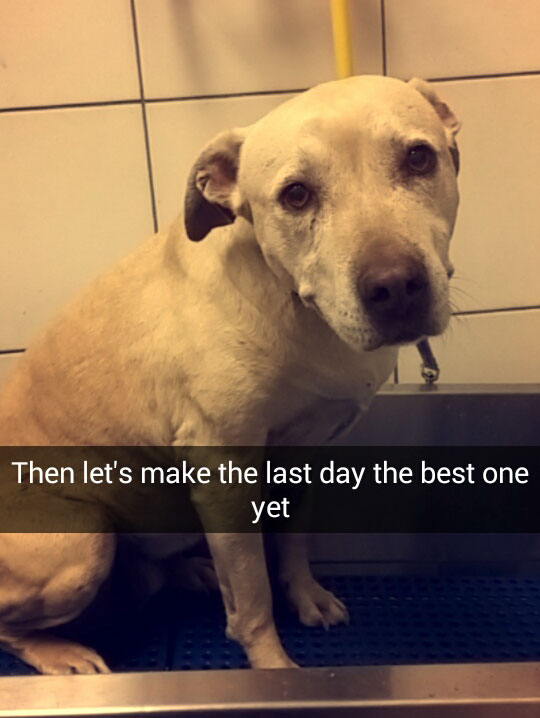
(395, 292)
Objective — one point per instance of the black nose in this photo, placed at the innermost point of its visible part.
(394, 290)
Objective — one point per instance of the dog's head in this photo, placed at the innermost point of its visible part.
(351, 189)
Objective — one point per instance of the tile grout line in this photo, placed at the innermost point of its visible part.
(69, 106)
(486, 76)
(150, 100)
(471, 312)
(144, 117)
(496, 310)
(227, 95)
(383, 38)
(232, 95)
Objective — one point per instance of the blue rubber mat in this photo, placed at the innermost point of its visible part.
(394, 620)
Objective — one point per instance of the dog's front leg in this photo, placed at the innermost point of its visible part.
(315, 605)
(239, 559)
(243, 579)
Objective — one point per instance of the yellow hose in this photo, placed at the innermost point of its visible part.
(342, 38)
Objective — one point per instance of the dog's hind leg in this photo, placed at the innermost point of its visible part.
(47, 579)
(52, 655)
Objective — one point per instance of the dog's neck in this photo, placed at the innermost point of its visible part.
(269, 286)
(325, 363)
(239, 270)
(260, 302)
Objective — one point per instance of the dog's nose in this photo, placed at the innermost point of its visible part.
(393, 290)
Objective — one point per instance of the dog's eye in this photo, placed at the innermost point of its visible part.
(296, 195)
(420, 159)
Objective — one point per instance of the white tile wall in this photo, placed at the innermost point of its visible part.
(488, 348)
(74, 198)
(61, 51)
(179, 130)
(75, 189)
(449, 38)
(7, 362)
(496, 246)
(248, 45)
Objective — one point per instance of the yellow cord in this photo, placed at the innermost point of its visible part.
(342, 38)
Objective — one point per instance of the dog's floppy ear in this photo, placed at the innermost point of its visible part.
(447, 117)
(212, 197)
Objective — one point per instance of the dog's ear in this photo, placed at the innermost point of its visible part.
(447, 117)
(212, 197)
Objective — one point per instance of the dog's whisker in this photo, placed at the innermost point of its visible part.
(462, 292)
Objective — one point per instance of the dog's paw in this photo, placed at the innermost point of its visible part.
(316, 606)
(277, 664)
(55, 656)
(196, 573)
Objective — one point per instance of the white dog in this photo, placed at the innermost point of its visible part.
(326, 227)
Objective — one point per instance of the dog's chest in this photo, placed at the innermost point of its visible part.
(319, 423)
(319, 406)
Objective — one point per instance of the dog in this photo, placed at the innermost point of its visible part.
(312, 245)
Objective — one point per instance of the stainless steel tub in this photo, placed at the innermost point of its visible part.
(401, 415)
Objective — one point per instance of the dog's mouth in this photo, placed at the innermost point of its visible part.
(410, 331)
(309, 301)
(405, 337)
(405, 326)
(399, 339)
